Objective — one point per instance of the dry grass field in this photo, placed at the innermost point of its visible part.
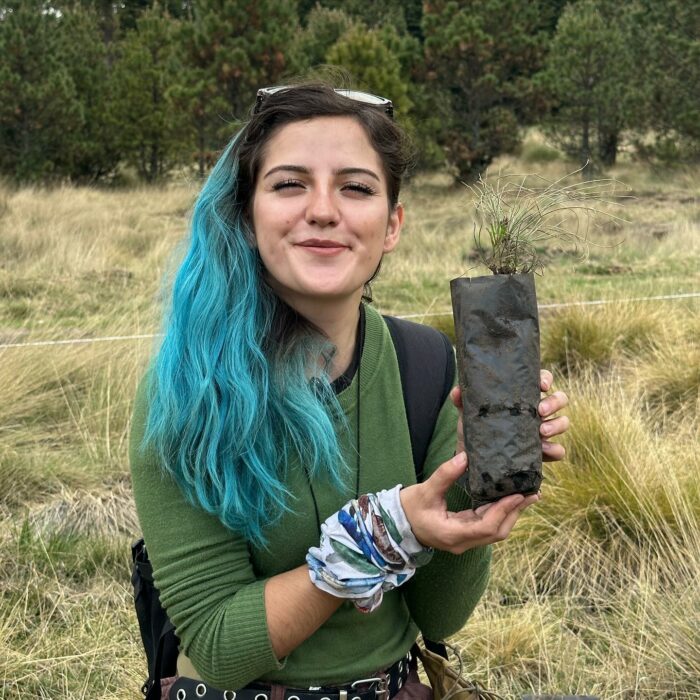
(597, 590)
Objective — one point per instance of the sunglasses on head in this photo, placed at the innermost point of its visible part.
(357, 95)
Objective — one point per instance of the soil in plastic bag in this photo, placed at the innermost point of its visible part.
(498, 359)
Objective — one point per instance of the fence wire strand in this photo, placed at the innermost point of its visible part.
(150, 336)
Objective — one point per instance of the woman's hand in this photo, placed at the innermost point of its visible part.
(435, 526)
(551, 425)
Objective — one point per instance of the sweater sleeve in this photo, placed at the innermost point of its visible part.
(203, 573)
(443, 594)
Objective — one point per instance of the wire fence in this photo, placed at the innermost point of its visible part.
(541, 307)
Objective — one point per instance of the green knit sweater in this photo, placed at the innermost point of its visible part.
(211, 580)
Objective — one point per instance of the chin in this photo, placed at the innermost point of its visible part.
(321, 287)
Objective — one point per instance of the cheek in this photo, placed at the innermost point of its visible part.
(375, 225)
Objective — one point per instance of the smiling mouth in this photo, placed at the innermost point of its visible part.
(321, 243)
(323, 247)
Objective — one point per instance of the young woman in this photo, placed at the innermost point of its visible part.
(274, 409)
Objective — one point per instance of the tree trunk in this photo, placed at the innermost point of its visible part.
(585, 157)
(201, 157)
(607, 147)
(155, 165)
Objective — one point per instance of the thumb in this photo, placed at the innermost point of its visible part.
(447, 473)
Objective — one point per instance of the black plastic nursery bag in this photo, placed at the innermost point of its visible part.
(498, 359)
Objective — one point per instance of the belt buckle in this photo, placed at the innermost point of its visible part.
(382, 685)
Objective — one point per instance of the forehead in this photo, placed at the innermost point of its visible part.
(333, 142)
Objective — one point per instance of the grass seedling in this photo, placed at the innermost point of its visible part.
(514, 218)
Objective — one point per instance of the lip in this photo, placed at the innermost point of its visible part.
(322, 246)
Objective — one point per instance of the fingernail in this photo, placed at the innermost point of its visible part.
(545, 430)
(544, 408)
(546, 444)
(460, 460)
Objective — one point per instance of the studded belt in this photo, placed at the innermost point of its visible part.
(382, 686)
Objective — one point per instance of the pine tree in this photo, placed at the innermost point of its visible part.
(40, 114)
(369, 57)
(153, 135)
(372, 64)
(84, 55)
(480, 58)
(371, 14)
(666, 42)
(230, 49)
(324, 26)
(589, 78)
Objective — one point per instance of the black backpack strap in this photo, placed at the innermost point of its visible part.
(427, 367)
(157, 632)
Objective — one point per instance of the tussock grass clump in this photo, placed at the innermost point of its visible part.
(536, 149)
(669, 378)
(621, 481)
(67, 628)
(611, 629)
(72, 230)
(64, 416)
(104, 512)
(579, 338)
(28, 473)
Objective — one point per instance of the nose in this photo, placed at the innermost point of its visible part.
(322, 209)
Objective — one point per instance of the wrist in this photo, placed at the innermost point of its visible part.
(366, 548)
(410, 495)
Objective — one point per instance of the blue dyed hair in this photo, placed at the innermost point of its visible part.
(230, 401)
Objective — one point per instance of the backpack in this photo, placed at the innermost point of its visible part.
(427, 368)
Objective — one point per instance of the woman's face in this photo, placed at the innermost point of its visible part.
(321, 212)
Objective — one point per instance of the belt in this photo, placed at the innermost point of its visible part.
(381, 686)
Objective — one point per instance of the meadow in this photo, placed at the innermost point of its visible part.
(597, 590)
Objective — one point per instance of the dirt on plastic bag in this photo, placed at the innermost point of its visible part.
(498, 360)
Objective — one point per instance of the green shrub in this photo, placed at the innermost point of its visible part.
(534, 152)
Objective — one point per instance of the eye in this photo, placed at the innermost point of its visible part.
(360, 187)
(286, 184)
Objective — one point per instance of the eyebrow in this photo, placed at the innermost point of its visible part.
(305, 171)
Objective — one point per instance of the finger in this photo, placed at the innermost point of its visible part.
(490, 522)
(507, 502)
(493, 517)
(446, 474)
(552, 451)
(546, 379)
(553, 403)
(554, 426)
(509, 522)
(482, 509)
(456, 396)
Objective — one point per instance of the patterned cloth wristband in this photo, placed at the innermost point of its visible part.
(366, 548)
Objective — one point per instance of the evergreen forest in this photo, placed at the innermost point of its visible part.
(98, 91)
